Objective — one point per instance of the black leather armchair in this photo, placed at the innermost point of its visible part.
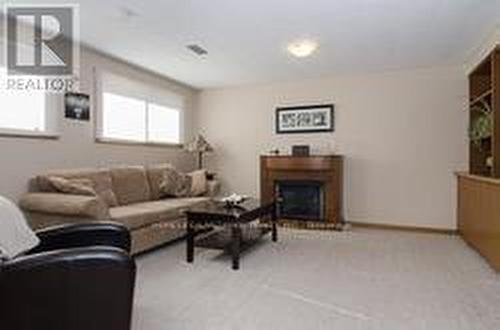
(80, 277)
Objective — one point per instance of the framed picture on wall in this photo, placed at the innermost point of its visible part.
(305, 119)
(77, 106)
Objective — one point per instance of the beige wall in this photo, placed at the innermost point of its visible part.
(21, 158)
(403, 135)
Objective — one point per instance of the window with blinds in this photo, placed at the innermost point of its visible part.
(135, 111)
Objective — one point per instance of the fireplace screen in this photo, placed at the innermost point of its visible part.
(301, 199)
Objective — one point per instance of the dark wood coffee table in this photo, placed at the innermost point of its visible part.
(236, 228)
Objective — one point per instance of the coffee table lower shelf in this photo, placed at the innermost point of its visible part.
(221, 239)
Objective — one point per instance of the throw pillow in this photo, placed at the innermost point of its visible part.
(175, 184)
(198, 183)
(73, 186)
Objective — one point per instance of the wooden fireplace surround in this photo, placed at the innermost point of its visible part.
(325, 169)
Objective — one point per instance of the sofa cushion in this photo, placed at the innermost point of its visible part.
(179, 184)
(73, 186)
(175, 184)
(199, 183)
(155, 178)
(130, 184)
(65, 204)
(142, 214)
(100, 177)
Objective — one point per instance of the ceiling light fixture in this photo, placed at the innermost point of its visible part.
(302, 48)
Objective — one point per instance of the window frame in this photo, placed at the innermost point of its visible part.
(51, 110)
(99, 113)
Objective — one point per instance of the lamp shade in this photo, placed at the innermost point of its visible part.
(199, 144)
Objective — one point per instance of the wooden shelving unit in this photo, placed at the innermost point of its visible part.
(484, 97)
(479, 190)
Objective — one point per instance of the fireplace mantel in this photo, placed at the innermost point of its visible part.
(325, 169)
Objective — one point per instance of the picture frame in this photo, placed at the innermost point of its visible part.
(77, 106)
(305, 119)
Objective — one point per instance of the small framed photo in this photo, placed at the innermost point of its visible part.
(305, 119)
(77, 106)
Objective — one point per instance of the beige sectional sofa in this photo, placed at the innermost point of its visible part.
(129, 195)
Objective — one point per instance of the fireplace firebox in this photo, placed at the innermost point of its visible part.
(310, 188)
(301, 199)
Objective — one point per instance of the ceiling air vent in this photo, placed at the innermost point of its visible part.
(197, 49)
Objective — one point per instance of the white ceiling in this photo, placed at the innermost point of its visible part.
(246, 39)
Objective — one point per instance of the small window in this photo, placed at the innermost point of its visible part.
(134, 112)
(24, 112)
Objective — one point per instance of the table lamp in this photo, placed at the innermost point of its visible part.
(199, 145)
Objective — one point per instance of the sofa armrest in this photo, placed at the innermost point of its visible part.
(83, 235)
(65, 204)
(83, 288)
(213, 188)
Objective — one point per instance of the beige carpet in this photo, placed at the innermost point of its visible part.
(362, 279)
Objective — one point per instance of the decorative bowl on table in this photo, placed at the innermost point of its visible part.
(233, 200)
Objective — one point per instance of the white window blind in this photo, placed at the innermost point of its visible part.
(123, 118)
(137, 111)
(163, 123)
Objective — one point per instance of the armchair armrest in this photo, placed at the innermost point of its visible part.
(65, 204)
(82, 235)
(83, 288)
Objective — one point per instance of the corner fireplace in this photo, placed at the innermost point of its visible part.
(301, 199)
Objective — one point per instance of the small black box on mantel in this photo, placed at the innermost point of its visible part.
(300, 151)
